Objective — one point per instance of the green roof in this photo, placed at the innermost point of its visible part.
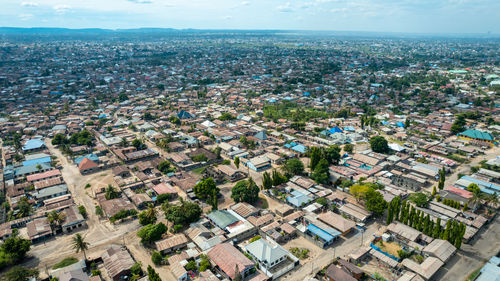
(475, 134)
(222, 218)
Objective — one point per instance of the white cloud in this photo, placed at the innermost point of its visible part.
(245, 3)
(338, 10)
(29, 4)
(141, 1)
(25, 17)
(285, 8)
(228, 17)
(61, 8)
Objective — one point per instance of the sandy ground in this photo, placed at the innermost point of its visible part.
(99, 233)
(472, 256)
(340, 248)
(372, 266)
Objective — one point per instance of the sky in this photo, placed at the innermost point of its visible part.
(408, 16)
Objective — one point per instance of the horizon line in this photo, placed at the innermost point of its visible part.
(488, 33)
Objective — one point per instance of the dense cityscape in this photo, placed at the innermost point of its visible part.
(248, 155)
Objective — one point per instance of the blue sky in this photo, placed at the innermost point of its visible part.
(415, 16)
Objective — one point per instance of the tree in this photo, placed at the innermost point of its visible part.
(136, 269)
(20, 273)
(379, 144)
(267, 182)
(437, 229)
(375, 202)
(332, 154)
(278, 178)
(348, 148)
(191, 266)
(24, 207)
(434, 190)
(138, 144)
(13, 250)
(419, 199)
(79, 244)
(459, 124)
(407, 123)
(165, 167)
(152, 275)
(205, 190)
(442, 175)
(321, 173)
(316, 155)
(148, 216)
(359, 191)
(56, 218)
(322, 201)
(204, 263)
(237, 162)
(185, 213)
(99, 211)
(293, 167)
(111, 193)
(477, 196)
(152, 232)
(83, 211)
(156, 258)
(245, 191)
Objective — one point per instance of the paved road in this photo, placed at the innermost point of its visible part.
(470, 257)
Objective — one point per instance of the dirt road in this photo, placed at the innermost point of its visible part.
(470, 257)
(342, 247)
(99, 233)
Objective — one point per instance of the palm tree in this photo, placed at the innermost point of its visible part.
(492, 199)
(151, 213)
(79, 244)
(476, 198)
(56, 219)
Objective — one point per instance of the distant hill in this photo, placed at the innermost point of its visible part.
(152, 31)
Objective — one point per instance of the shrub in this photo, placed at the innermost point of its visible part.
(156, 258)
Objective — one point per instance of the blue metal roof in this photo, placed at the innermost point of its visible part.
(322, 233)
(92, 157)
(335, 130)
(481, 183)
(33, 144)
(300, 148)
(37, 161)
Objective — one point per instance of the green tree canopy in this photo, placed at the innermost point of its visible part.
(379, 144)
(245, 191)
(293, 167)
(152, 232)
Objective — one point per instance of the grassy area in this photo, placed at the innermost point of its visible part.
(199, 170)
(300, 253)
(474, 275)
(65, 262)
(262, 203)
(389, 247)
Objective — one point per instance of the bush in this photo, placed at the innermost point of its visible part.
(82, 211)
(191, 266)
(122, 214)
(151, 233)
(162, 198)
(156, 258)
(136, 269)
(255, 238)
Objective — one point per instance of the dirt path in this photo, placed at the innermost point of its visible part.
(99, 233)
